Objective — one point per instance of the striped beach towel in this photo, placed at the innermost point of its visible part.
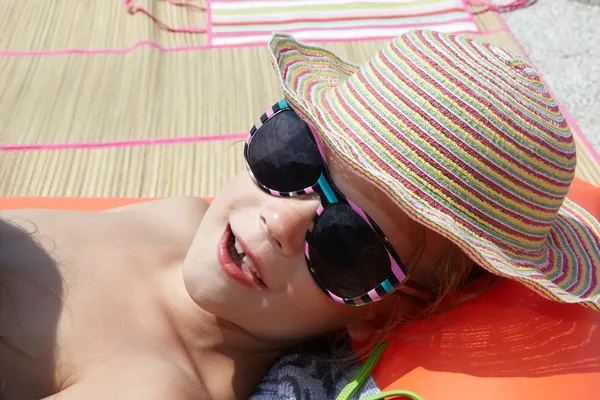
(244, 22)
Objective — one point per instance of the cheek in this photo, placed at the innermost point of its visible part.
(407, 241)
(237, 189)
(303, 311)
(200, 270)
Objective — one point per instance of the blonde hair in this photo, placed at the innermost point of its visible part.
(445, 281)
(452, 271)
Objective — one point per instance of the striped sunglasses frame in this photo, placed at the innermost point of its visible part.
(329, 195)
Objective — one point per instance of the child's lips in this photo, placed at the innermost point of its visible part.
(230, 267)
(253, 258)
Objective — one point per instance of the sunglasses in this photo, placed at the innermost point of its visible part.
(347, 254)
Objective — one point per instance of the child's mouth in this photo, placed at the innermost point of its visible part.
(240, 258)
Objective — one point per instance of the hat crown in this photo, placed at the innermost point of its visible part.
(468, 126)
(479, 122)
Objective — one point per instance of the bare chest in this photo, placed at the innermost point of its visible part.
(68, 301)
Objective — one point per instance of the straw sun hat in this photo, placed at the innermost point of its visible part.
(466, 139)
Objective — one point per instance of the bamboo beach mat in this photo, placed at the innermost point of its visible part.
(96, 100)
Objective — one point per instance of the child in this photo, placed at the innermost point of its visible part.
(371, 195)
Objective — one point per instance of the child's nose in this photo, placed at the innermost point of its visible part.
(286, 221)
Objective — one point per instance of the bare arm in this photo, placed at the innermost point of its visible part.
(148, 388)
(132, 378)
(119, 391)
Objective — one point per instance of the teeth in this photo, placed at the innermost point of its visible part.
(239, 247)
(246, 270)
(247, 263)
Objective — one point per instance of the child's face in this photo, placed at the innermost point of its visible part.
(290, 305)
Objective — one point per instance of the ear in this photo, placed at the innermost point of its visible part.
(374, 320)
(361, 331)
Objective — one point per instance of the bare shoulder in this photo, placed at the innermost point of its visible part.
(187, 203)
(170, 222)
(144, 379)
(150, 390)
(178, 216)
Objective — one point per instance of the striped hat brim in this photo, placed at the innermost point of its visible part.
(563, 268)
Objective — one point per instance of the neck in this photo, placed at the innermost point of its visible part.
(229, 361)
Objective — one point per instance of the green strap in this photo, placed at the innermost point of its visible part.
(395, 393)
(363, 374)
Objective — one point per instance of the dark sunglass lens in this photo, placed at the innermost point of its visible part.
(283, 156)
(346, 255)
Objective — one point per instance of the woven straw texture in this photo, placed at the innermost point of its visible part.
(91, 104)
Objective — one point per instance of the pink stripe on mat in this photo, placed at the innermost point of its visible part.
(430, 25)
(209, 32)
(121, 143)
(568, 116)
(467, 8)
(149, 43)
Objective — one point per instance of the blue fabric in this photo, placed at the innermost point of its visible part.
(311, 376)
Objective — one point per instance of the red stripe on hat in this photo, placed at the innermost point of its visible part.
(470, 110)
(583, 244)
(471, 132)
(483, 140)
(518, 88)
(508, 82)
(470, 170)
(493, 109)
(438, 187)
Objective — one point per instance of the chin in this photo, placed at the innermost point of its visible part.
(197, 280)
(208, 290)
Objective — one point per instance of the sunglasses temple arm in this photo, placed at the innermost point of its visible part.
(412, 289)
